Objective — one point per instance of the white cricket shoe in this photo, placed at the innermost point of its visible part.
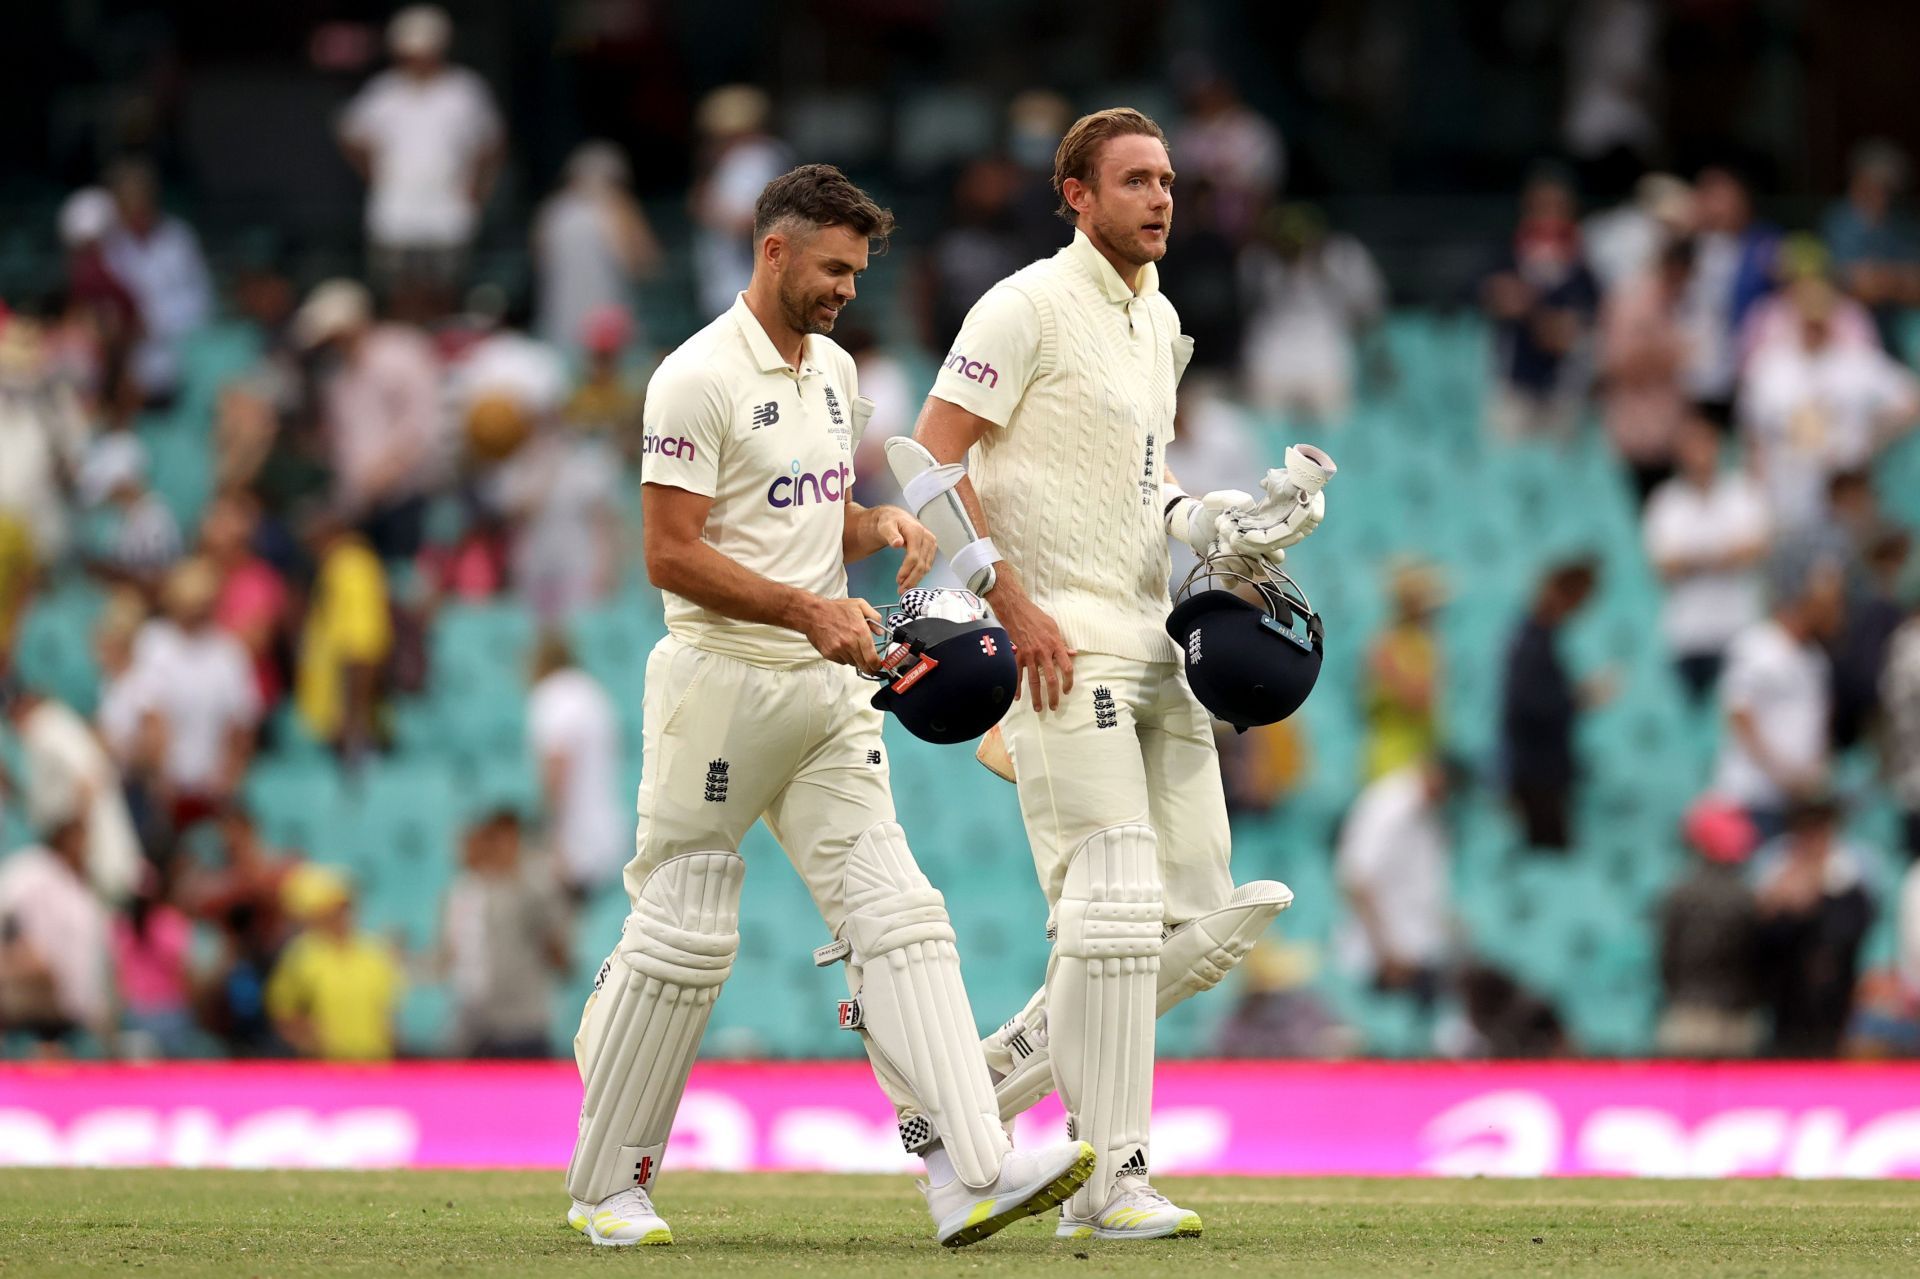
(1136, 1211)
(621, 1220)
(577, 1215)
(1029, 1184)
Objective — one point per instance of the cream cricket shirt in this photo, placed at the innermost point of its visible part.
(728, 418)
(1079, 372)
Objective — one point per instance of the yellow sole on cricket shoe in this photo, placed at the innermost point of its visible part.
(1052, 1195)
(652, 1239)
(577, 1216)
(1187, 1227)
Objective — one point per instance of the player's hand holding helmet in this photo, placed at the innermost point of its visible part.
(1251, 642)
(947, 667)
(1291, 508)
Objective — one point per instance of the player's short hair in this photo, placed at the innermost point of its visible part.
(819, 195)
(1080, 150)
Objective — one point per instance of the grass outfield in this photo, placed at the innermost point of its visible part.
(57, 1221)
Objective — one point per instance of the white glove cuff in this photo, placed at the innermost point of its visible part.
(1178, 507)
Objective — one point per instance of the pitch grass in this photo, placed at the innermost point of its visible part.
(317, 1223)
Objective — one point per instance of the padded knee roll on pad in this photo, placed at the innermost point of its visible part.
(918, 1024)
(1195, 957)
(654, 996)
(1100, 997)
(1199, 954)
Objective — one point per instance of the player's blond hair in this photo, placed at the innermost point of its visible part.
(1079, 151)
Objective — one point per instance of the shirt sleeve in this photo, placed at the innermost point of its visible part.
(358, 122)
(995, 358)
(686, 423)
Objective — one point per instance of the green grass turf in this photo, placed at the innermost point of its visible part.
(310, 1223)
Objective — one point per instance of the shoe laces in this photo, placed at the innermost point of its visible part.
(631, 1202)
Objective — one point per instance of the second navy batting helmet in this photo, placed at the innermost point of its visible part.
(1250, 663)
(948, 667)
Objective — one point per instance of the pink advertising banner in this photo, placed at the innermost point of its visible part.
(1521, 1120)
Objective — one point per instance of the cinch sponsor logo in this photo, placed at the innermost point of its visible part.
(974, 370)
(801, 487)
(680, 446)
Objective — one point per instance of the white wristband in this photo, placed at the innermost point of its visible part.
(975, 559)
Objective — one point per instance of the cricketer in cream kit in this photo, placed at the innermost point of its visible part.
(727, 418)
(1078, 372)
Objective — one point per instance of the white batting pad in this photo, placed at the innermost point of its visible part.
(926, 486)
(644, 1021)
(1100, 992)
(910, 1006)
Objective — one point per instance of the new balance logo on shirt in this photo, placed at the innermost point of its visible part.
(766, 415)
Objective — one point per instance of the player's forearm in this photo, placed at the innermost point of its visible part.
(721, 585)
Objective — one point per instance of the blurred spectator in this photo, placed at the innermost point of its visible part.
(887, 382)
(157, 257)
(1207, 290)
(253, 605)
(1709, 936)
(334, 989)
(54, 978)
(1234, 148)
(243, 897)
(1539, 706)
(1541, 299)
(126, 717)
(1613, 86)
(978, 246)
(1392, 865)
(1732, 269)
(380, 411)
(1773, 322)
(1625, 241)
(1705, 531)
(1819, 407)
(591, 244)
(503, 943)
(1404, 674)
(1643, 359)
(1036, 121)
(151, 945)
(606, 402)
(1777, 695)
(559, 489)
(135, 539)
(574, 737)
(64, 763)
(201, 682)
(43, 439)
(17, 574)
(426, 138)
(1874, 613)
(346, 639)
(1505, 1020)
(99, 309)
(1312, 295)
(1875, 245)
(1279, 1014)
(1814, 913)
(737, 157)
(1900, 744)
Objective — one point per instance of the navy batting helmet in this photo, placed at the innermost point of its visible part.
(1249, 663)
(948, 667)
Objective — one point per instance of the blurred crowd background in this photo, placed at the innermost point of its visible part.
(324, 337)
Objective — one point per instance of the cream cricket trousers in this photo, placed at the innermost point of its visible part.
(1129, 744)
(726, 743)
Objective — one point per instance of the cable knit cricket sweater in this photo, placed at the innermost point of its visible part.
(1079, 373)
